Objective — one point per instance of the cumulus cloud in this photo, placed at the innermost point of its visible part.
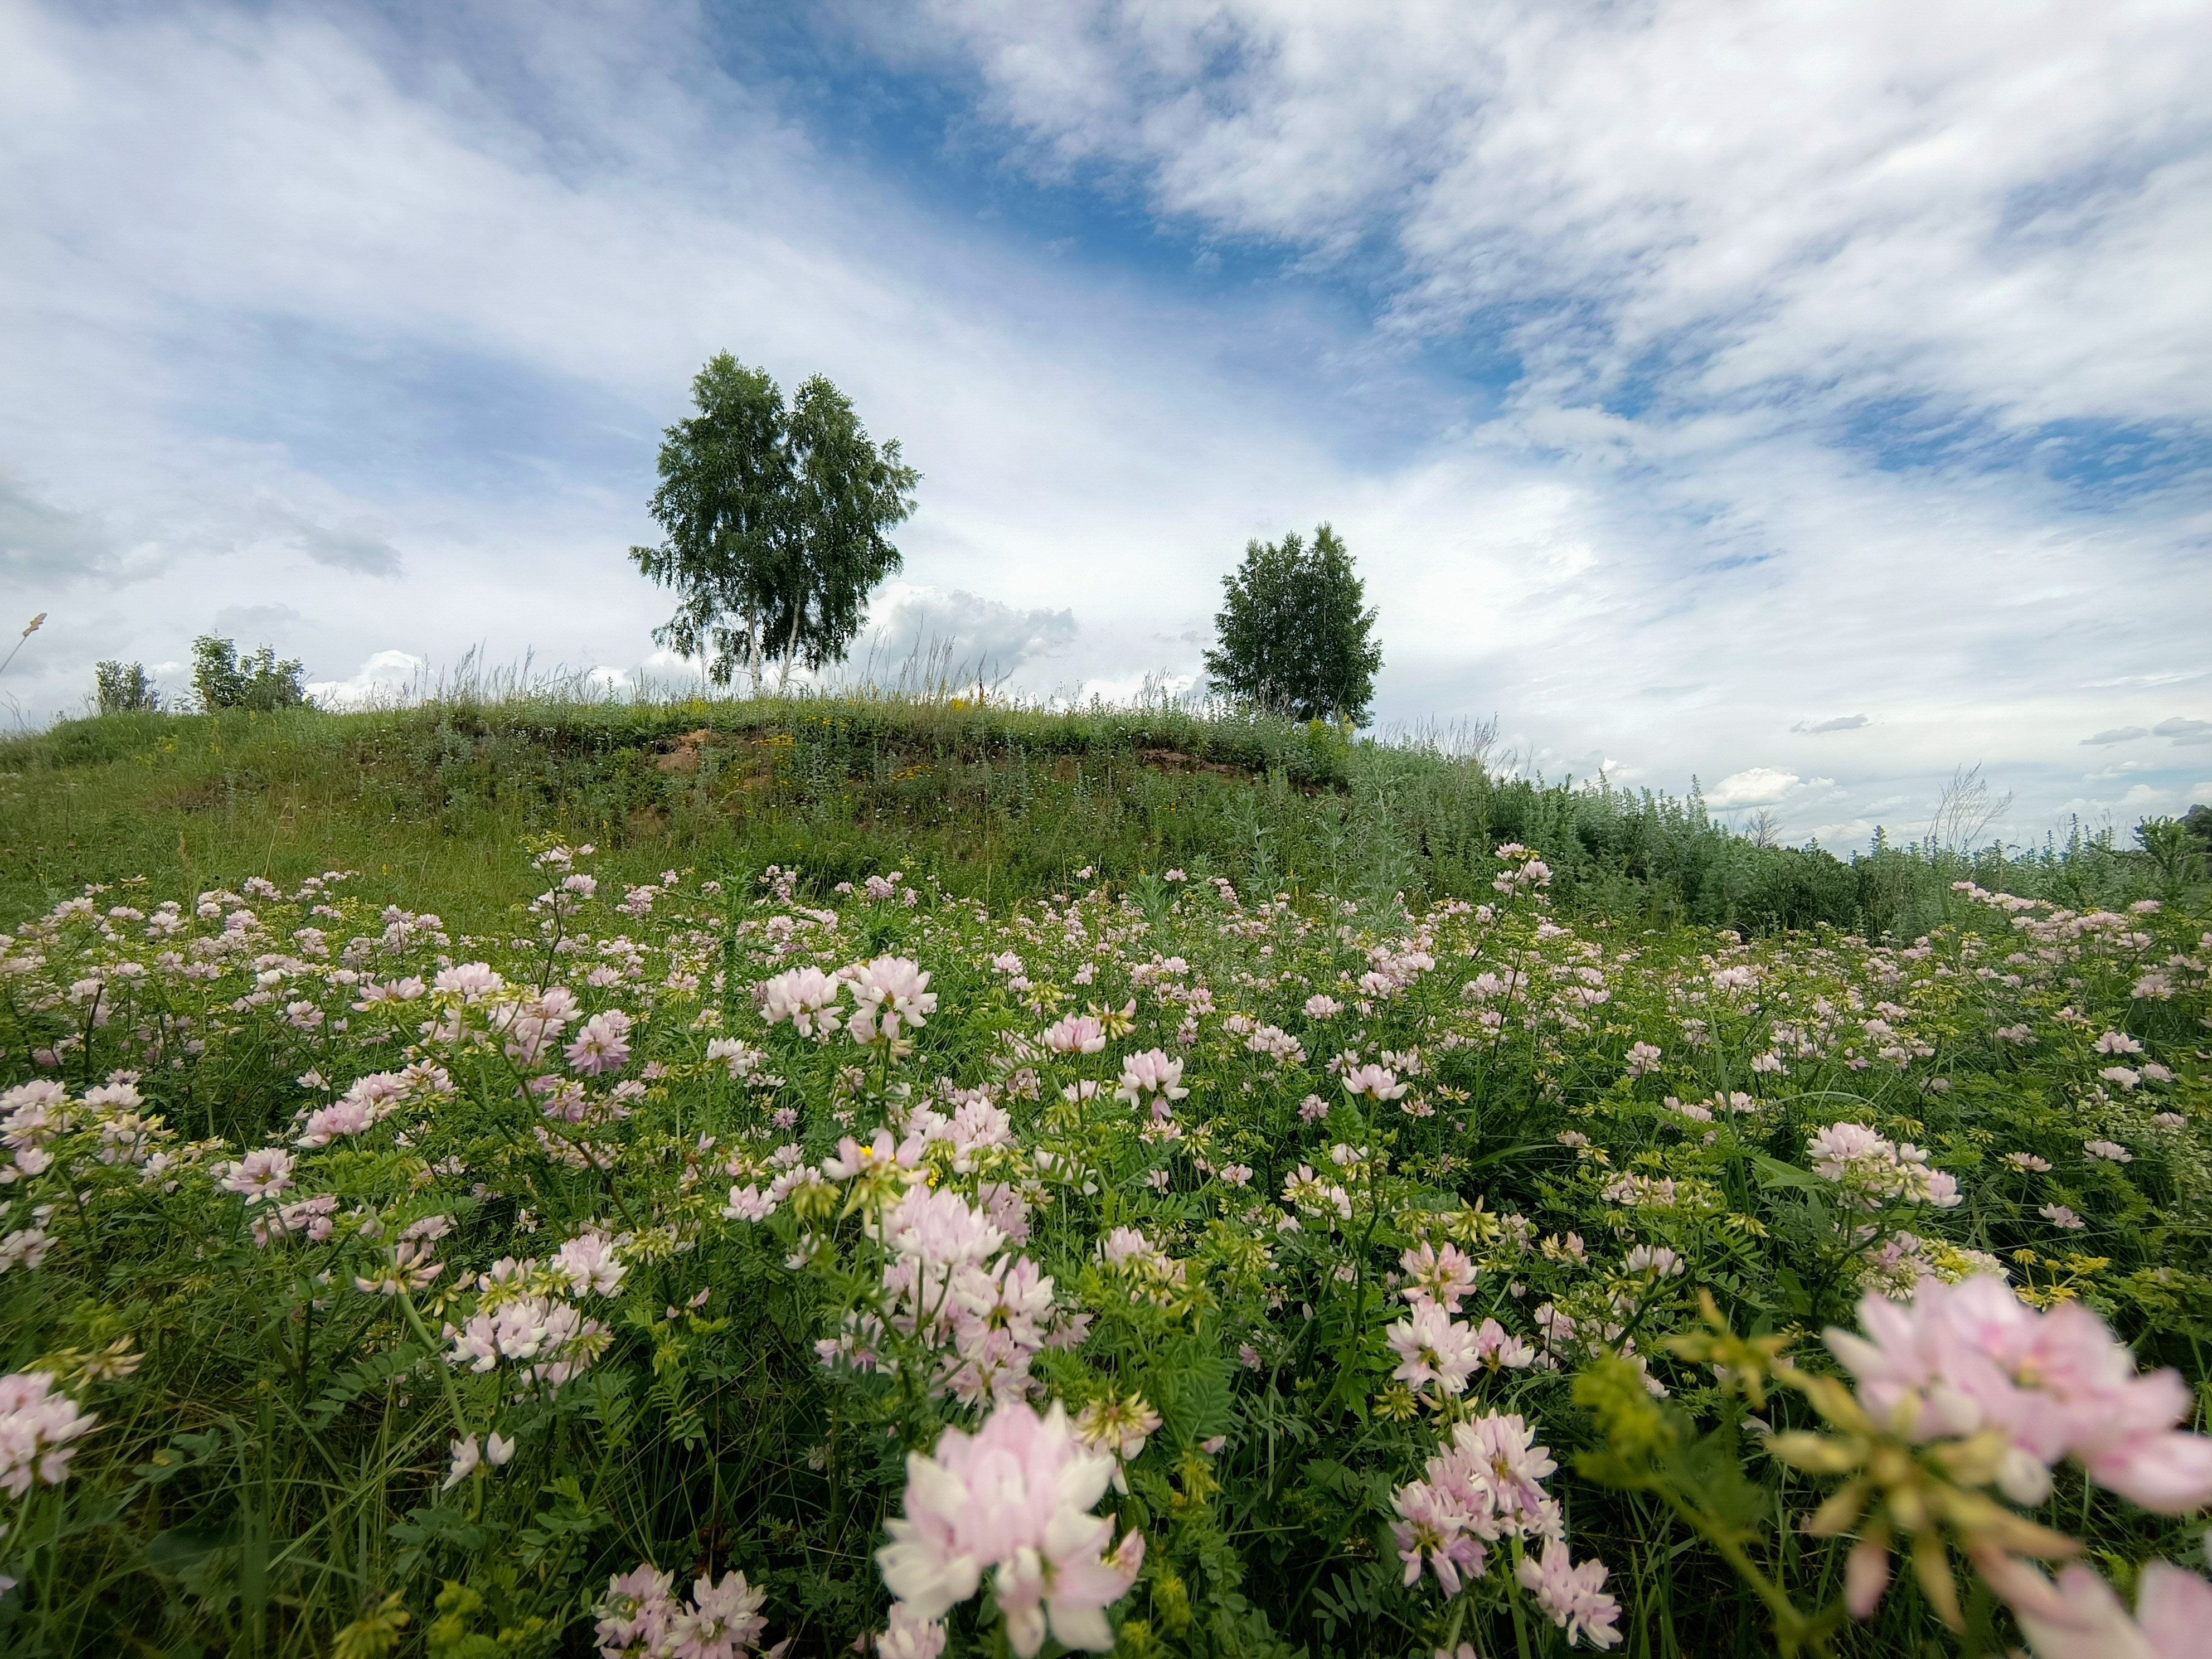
(2184, 731)
(1841, 723)
(386, 676)
(1757, 785)
(951, 633)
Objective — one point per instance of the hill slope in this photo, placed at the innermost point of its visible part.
(989, 799)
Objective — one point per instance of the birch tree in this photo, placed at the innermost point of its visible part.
(775, 523)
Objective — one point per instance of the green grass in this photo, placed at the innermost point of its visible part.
(990, 800)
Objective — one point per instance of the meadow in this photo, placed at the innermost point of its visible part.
(532, 1177)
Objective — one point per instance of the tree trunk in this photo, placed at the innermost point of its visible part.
(790, 647)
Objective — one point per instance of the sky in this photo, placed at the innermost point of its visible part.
(1807, 401)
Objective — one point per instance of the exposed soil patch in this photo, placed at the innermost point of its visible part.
(683, 753)
(1174, 760)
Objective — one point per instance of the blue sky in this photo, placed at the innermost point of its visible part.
(1808, 399)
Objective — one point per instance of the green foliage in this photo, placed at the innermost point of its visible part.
(226, 680)
(1292, 636)
(121, 688)
(775, 522)
(2178, 848)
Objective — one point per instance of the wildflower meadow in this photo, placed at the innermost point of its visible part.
(738, 1261)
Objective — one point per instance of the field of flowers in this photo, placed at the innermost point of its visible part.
(713, 1266)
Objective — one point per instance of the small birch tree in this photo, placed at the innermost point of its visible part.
(1292, 634)
(775, 523)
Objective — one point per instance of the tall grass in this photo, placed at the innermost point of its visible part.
(991, 797)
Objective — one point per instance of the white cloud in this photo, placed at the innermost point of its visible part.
(924, 635)
(1876, 198)
(377, 323)
(386, 677)
(1840, 723)
(2184, 731)
(2117, 734)
(1159, 685)
(1758, 785)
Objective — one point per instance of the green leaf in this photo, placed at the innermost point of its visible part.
(1191, 1391)
(1773, 1172)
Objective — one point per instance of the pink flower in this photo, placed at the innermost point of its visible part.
(603, 1044)
(803, 996)
(1322, 1007)
(342, 1117)
(1077, 1034)
(1482, 1485)
(1444, 1277)
(1643, 1059)
(1432, 1347)
(1432, 1532)
(852, 1158)
(262, 1174)
(39, 1430)
(910, 1636)
(1497, 1349)
(1373, 1082)
(472, 982)
(1501, 1448)
(748, 1203)
(742, 1059)
(976, 1127)
(1152, 1071)
(1012, 1498)
(634, 1613)
(892, 993)
(723, 1621)
(1967, 1357)
(590, 1261)
(1574, 1597)
(940, 1227)
(2080, 1618)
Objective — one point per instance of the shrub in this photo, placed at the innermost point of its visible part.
(121, 688)
(260, 682)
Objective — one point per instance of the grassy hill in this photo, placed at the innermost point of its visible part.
(992, 801)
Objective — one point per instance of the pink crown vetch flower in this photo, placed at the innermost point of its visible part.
(1013, 1499)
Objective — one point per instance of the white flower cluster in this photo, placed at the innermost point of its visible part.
(1878, 1170)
